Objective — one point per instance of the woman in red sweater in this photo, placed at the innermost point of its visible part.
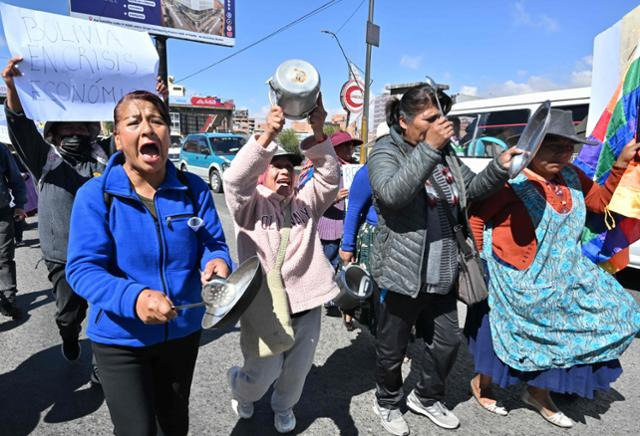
(556, 321)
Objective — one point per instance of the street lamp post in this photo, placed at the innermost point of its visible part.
(328, 32)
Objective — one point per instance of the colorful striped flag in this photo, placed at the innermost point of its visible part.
(616, 127)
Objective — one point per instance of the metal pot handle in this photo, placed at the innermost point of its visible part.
(272, 93)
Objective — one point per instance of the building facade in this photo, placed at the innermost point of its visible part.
(200, 114)
(243, 123)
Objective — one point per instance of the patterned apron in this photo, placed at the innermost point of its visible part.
(563, 310)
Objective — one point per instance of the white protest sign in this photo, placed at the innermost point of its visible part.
(4, 131)
(348, 173)
(75, 70)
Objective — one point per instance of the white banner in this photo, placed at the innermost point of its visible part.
(4, 131)
(76, 70)
(348, 173)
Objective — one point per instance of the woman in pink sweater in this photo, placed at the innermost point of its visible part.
(266, 208)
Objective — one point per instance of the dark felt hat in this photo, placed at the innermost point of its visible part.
(560, 126)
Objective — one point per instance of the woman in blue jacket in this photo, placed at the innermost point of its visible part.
(133, 257)
(357, 239)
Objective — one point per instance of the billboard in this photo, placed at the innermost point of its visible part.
(210, 21)
(200, 101)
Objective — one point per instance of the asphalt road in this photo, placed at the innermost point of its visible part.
(42, 394)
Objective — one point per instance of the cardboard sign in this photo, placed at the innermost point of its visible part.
(76, 70)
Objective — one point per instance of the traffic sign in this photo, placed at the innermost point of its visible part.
(352, 96)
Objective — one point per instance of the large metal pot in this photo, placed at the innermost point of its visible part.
(295, 87)
(355, 286)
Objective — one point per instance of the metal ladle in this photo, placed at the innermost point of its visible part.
(216, 293)
(433, 85)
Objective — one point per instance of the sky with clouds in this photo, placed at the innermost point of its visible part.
(485, 48)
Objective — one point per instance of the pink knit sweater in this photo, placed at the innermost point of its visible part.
(258, 214)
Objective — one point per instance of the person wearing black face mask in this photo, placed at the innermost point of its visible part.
(62, 161)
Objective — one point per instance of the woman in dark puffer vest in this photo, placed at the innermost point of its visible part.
(415, 252)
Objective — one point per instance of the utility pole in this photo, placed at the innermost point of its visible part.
(372, 38)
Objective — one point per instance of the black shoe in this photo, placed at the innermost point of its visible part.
(71, 350)
(9, 308)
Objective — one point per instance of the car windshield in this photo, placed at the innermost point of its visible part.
(227, 145)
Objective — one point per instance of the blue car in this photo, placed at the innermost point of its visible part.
(209, 154)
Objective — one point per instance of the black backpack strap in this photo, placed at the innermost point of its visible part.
(107, 199)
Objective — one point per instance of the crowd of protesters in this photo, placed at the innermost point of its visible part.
(115, 232)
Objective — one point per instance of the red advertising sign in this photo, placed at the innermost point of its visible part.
(211, 102)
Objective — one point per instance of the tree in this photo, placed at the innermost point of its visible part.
(330, 129)
(289, 140)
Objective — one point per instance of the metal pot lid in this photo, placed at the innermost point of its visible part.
(531, 138)
(227, 299)
(296, 76)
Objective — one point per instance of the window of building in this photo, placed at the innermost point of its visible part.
(175, 123)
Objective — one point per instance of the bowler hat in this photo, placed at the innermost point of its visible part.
(560, 126)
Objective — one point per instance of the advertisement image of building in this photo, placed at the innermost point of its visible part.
(200, 114)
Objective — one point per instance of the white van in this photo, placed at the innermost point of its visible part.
(493, 120)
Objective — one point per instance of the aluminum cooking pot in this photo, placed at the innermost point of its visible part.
(355, 286)
(295, 87)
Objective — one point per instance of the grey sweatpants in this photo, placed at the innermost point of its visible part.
(288, 370)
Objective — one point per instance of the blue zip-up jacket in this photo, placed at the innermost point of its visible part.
(360, 202)
(114, 254)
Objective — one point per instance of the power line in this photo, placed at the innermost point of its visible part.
(264, 38)
(350, 17)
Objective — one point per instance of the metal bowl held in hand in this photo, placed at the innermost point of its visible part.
(228, 300)
(355, 286)
(225, 300)
(295, 87)
(531, 138)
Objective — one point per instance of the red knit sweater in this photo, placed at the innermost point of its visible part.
(514, 238)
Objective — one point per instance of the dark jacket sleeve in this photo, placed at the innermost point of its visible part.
(14, 179)
(486, 182)
(394, 185)
(30, 145)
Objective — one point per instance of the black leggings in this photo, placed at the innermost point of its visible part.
(145, 385)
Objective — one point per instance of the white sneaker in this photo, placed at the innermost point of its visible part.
(391, 420)
(284, 422)
(437, 412)
(243, 410)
